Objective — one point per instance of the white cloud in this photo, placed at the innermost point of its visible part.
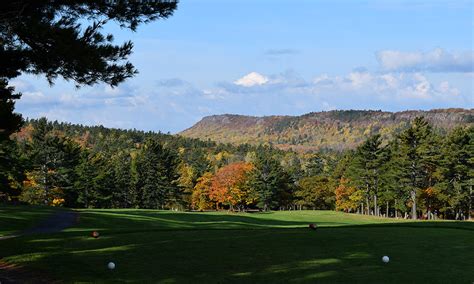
(437, 60)
(385, 86)
(251, 79)
(175, 104)
(359, 89)
(36, 98)
(360, 79)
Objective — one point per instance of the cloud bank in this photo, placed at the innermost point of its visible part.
(407, 80)
(437, 60)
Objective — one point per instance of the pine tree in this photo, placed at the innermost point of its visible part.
(53, 158)
(365, 170)
(470, 150)
(158, 180)
(95, 181)
(416, 158)
(393, 183)
(456, 169)
(272, 184)
(10, 122)
(12, 165)
(122, 196)
(314, 166)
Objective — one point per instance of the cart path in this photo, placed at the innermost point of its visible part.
(56, 222)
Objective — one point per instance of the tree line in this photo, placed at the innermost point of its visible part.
(419, 173)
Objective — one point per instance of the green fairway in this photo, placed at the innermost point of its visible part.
(175, 247)
(17, 218)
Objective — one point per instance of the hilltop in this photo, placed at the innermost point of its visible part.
(335, 130)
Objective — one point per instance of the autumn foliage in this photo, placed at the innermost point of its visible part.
(200, 196)
(346, 196)
(229, 187)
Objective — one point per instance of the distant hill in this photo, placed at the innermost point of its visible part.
(335, 130)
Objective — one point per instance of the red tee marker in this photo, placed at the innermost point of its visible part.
(95, 234)
(313, 226)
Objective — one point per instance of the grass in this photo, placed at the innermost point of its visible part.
(277, 247)
(18, 218)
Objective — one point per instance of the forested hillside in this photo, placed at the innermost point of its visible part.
(336, 130)
(419, 172)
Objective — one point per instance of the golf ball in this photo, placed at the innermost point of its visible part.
(111, 265)
(385, 259)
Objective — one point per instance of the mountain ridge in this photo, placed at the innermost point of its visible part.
(334, 130)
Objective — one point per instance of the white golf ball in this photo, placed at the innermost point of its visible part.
(111, 265)
(385, 259)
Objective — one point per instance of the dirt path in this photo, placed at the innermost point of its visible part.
(56, 222)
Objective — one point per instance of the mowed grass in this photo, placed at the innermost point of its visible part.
(150, 246)
(18, 218)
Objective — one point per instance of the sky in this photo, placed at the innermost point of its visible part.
(275, 57)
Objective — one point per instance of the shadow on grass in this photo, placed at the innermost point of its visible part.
(132, 221)
(329, 255)
(189, 248)
(163, 220)
(455, 225)
(17, 218)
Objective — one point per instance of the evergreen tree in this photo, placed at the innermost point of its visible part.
(95, 182)
(10, 122)
(314, 166)
(158, 179)
(470, 150)
(456, 169)
(122, 196)
(53, 158)
(271, 183)
(365, 170)
(415, 157)
(11, 170)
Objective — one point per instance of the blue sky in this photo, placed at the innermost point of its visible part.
(276, 57)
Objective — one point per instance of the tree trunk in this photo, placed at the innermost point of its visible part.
(86, 202)
(413, 207)
(387, 211)
(396, 212)
(45, 183)
(376, 209)
(368, 204)
(470, 204)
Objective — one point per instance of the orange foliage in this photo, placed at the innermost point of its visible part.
(228, 184)
(429, 192)
(345, 196)
(83, 140)
(24, 134)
